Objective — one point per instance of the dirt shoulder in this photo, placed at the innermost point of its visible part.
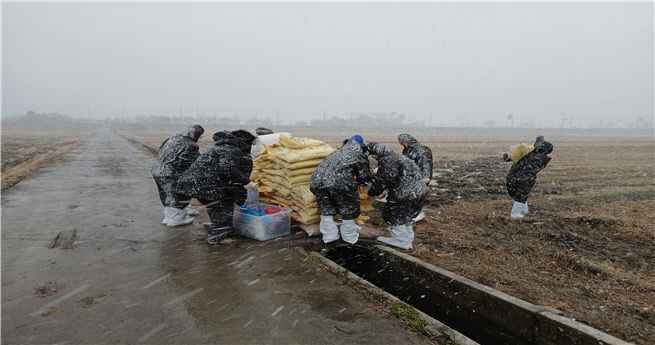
(23, 153)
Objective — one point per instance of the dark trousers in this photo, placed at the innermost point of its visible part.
(345, 203)
(519, 189)
(167, 193)
(402, 212)
(221, 213)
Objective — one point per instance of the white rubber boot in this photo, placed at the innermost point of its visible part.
(329, 229)
(349, 231)
(519, 210)
(401, 237)
(177, 217)
(420, 216)
(524, 211)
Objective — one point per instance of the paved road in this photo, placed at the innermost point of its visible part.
(86, 260)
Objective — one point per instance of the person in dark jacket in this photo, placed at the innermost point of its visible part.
(421, 155)
(219, 178)
(335, 182)
(175, 156)
(522, 175)
(406, 193)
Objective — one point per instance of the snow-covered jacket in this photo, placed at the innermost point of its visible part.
(177, 153)
(419, 153)
(523, 174)
(396, 173)
(342, 170)
(220, 172)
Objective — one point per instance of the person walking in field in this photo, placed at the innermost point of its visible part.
(522, 176)
(219, 178)
(421, 155)
(407, 192)
(176, 154)
(335, 182)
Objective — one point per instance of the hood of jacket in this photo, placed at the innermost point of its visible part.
(226, 138)
(410, 140)
(193, 132)
(542, 146)
(378, 150)
(354, 146)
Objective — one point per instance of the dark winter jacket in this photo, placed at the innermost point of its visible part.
(177, 153)
(219, 173)
(523, 174)
(419, 153)
(396, 173)
(342, 170)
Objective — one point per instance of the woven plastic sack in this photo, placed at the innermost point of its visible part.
(299, 142)
(519, 151)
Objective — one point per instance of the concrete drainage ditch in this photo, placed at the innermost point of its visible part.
(472, 312)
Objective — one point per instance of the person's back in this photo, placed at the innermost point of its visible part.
(342, 170)
(403, 176)
(217, 170)
(419, 153)
(177, 153)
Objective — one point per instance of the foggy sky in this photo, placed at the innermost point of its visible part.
(466, 62)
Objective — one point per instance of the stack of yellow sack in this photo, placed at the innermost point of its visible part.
(283, 172)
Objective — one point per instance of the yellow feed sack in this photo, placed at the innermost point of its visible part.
(272, 184)
(300, 165)
(305, 218)
(303, 193)
(301, 172)
(299, 180)
(298, 142)
(280, 181)
(301, 155)
(519, 151)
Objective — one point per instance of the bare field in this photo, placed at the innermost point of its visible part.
(25, 152)
(587, 246)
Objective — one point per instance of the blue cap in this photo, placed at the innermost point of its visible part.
(358, 138)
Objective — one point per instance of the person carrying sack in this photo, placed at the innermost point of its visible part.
(522, 176)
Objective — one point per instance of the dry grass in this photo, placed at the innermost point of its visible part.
(23, 153)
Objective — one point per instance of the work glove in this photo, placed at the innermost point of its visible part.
(250, 185)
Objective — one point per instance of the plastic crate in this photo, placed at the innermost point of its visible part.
(265, 227)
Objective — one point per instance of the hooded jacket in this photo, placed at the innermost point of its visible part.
(177, 153)
(523, 174)
(220, 172)
(342, 170)
(419, 153)
(396, 173)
